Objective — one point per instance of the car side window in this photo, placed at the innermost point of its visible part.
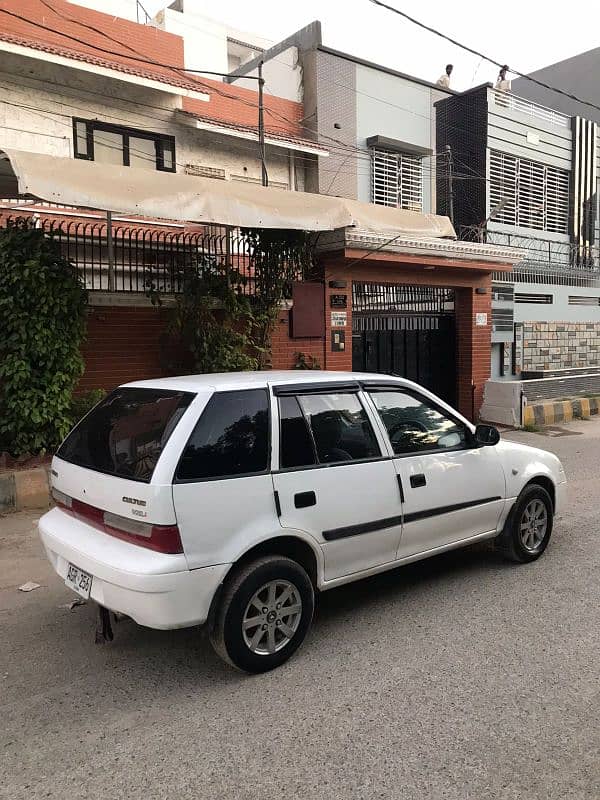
(340, 427)
(414, 425)
(296, 445)
(230, 438)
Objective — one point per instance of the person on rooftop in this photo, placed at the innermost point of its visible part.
(444, 81)
(502, 82)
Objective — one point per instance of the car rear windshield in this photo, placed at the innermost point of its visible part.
(125, 434)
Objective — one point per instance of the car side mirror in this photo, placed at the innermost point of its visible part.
(487, 435)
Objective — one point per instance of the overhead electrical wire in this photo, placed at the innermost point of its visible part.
(209, 87)
(67, 123)
(143, 60)
(482, 55)
(140, 59)
(182, 71)
(340, 148)
(362, 156)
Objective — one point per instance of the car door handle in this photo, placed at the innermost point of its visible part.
(305, 499)
(418, 480)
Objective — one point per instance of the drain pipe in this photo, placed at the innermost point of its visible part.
(521, 398)
(473, 401)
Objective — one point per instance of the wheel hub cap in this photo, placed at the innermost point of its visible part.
(533, 526)
(272, 617)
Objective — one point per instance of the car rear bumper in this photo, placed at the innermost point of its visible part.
(154, 589)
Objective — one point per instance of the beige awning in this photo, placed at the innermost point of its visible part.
(187, 198)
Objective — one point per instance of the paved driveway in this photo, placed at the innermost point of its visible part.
(460, 677)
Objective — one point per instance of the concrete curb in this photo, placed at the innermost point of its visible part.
(550, 412)
(24, 490)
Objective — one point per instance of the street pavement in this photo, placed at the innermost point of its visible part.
(461, 677)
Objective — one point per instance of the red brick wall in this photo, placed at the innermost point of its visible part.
(339, 360)
(284, 349)
(123, 344)
(474, 349)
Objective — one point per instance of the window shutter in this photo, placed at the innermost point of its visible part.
(536, 195)
(396, 180)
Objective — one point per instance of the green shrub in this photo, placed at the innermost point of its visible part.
(84, 402)
(42, 313)
(211, 325)
(305, 361)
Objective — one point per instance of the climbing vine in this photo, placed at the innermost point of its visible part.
(42, 313)
(278, 258)
(223, 319)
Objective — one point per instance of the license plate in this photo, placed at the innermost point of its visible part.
(79, 581)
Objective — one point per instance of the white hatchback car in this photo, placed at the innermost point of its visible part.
(233, 498)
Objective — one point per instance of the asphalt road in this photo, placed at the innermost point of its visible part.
(460, 677)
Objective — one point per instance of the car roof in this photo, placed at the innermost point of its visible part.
(248, 380)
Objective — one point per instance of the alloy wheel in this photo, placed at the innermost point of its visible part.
(533, 526)
(272, 617)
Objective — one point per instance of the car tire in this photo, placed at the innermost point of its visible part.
(529, 526)
(264, 614)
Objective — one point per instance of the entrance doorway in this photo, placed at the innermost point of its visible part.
(407, 331)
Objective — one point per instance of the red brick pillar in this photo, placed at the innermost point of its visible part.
(473, 340)
(338, 359)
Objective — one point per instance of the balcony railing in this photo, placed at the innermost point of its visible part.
(548, 261)
(516, 103)
(143, 258)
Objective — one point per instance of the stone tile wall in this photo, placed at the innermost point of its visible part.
(558, 345)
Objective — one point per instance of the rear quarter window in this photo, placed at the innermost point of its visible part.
(125, 434)
(230, 439)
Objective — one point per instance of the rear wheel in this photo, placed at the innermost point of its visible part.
(529, 525)
(264, 614)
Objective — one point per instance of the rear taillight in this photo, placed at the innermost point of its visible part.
(162, 538)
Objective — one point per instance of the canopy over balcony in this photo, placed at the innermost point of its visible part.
(191, 199)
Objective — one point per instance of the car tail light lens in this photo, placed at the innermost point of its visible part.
(162, 538)
(61, 499)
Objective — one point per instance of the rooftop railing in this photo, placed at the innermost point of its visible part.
(531, 109)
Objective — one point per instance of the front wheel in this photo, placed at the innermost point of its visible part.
(264, 614)
(529, 525)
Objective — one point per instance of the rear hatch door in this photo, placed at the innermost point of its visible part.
(108, 460)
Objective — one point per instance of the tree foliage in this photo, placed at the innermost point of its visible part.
(211, 327)
(278, 258)
(42, 313)
(219, 326)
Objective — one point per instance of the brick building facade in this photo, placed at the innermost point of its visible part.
(125, 343)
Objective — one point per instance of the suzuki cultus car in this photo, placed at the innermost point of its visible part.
(232, 499)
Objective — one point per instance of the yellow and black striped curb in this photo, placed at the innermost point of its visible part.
(549, 412)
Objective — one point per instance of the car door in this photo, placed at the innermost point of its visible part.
(335, 479)
(222, 488)
(453, 488)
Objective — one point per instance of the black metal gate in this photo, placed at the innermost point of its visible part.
(407, 331)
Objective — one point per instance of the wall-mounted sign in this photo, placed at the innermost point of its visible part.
(339, 319)
(338, 300)
(481, 320)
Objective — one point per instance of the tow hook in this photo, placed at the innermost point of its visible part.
(104, 631)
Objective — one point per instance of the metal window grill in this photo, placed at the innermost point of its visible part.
(396, 180)
(534, 195)
(531, 297)
(393, 298)
(583, 300)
